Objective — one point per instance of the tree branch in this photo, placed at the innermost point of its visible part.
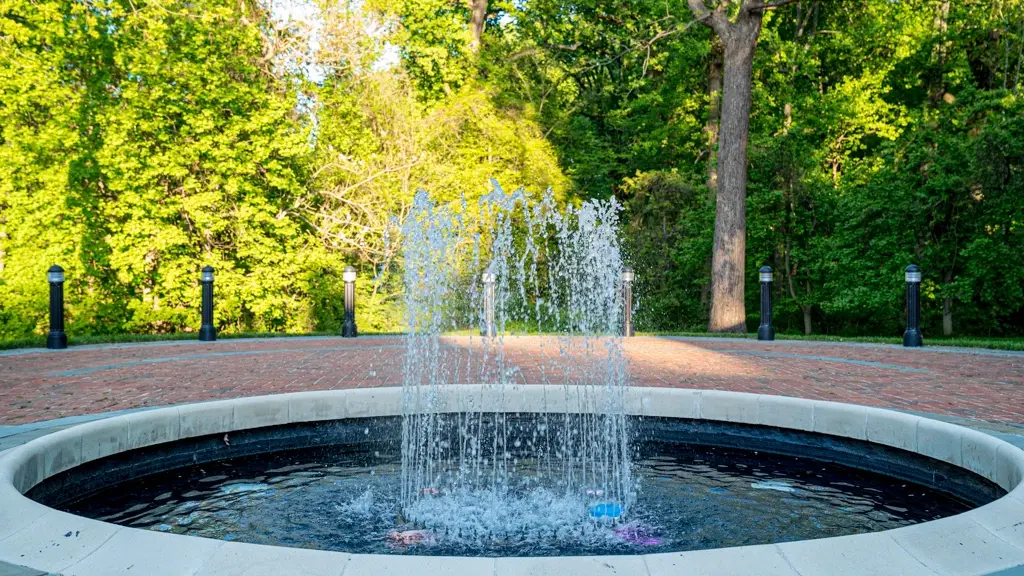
(610, 18)
(698, 8)
(762, 6)
(717, 20)
(523, 54)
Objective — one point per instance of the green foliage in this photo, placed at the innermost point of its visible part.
(668, 239)
(880, 135)
(140, 141)
(949, 198)
(433, 37)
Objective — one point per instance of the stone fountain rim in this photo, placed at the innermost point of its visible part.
(979, 541)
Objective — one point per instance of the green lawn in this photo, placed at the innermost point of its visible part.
(955, 341)
(40, 342)
(960, 341)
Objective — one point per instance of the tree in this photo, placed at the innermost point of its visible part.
(140, 139)
(714, 112)
(157, 141)
(435, 42)
(477, 19)
(738, 24)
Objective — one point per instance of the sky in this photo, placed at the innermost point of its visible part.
(307, 11)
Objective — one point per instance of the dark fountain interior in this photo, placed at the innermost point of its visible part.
(334, 485)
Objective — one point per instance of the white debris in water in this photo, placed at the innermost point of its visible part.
(243, 487)
(773, 485)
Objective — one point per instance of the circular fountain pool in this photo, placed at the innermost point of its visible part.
(690, 497)
(859, 490)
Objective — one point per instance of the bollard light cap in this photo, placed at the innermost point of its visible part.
(913, 274)
(55, 275)
(349, 274)
(627, 274)
(766, 274)
(207, 275)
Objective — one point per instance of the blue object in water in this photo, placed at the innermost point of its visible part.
(605, 511)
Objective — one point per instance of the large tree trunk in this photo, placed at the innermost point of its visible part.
(714, 111)
(728, 257)
(711, 131)
(478, 15)
(728, 312)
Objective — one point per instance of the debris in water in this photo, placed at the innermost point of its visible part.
(773, 485)
(605, 510)
(410, 537)
(637, 534)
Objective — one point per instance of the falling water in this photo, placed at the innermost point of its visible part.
(481, 473)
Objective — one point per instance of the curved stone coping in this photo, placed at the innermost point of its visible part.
(980, 541)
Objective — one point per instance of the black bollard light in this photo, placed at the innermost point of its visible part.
(912, 337)
(207, 332)
(56, 339)
(766, 331)
(348, 329)
(627, 302)
(488, 328)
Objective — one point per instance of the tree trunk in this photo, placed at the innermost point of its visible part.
(728, 312)
(705, 290)
(478, 15)
(938, 88)
(714, 120)
(790, 273)
(947, 307)
(947, 317)
(714, 112)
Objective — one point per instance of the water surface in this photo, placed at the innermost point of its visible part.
(689, 498)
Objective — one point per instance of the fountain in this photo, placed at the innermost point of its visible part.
(482, 473)
(519, 439)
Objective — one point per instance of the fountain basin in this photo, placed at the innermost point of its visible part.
(979, 541)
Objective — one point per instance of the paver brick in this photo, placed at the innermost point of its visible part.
(43, 385)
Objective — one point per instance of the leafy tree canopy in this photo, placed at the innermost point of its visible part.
(143, 139)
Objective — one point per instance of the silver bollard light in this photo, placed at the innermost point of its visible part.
(348, 329)
(766, 331)
(488, 329)
(627, 301)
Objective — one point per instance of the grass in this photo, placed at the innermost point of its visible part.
(1015, 344)
(40, 341)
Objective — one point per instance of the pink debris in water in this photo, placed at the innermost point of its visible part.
(637, 534)
(409, 537)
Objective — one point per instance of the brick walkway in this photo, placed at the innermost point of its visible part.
(43, 385)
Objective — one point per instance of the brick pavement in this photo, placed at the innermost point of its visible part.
(43, 385)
